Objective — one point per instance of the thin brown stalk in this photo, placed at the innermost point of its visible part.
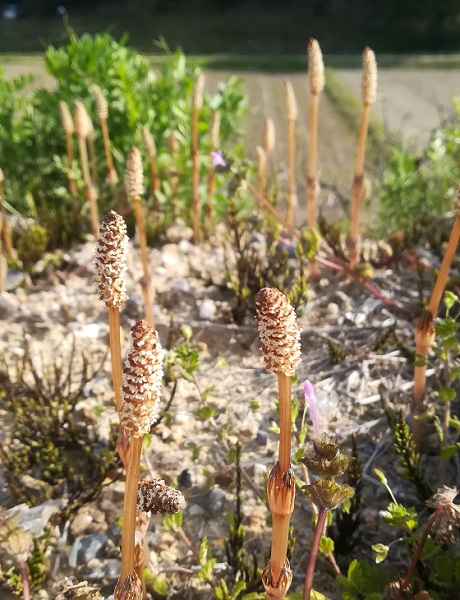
(129, 508)
(261, 170)
(24, 572)
(449, 254)
(213, 145)
(369, 87)
(134, 182)
(424, 338)
(147, 288)
(151, 148)
(197, 101)
(81, 131)
(316, 77)
(291, 116)
(172, 173)
(308, 584)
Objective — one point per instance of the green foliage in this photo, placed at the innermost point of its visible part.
(32, 246)
(32, 143)
(364, 581)
(417, 191)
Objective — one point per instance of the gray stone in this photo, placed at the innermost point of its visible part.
(92, 546)
(9, 306)
(112, 570)
(214, 501)
(262, 437)
(208, 309)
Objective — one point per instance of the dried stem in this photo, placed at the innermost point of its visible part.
(147, 290)
(308, 584)
(22, 567)
(115, 357)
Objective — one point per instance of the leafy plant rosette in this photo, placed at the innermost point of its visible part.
(32, 143)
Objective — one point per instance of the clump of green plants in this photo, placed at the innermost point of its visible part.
(31, 246)
(50, 451)
(425, 182)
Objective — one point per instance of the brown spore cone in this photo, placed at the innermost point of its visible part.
(278, 330)
(142, 380)
(153, 495)
(110, 260)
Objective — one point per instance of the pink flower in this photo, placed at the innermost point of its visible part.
(217, 160)
(310, 399)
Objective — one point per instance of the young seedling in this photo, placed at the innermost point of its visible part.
(280, 344)
(197, 102)
(327, 463)
(291, 116)
(103, 114)
(110, 269)
(141, 393)
(369, 94)
(269, 142)
(151, 148)
(134, 182)
(67, 126)
(80, 120)
(317, 81)
(425, 330)
(213, 145)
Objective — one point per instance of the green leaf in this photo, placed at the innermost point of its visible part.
(399, 516)
(205, 412)
(207, 392)
(148, 437)
(299, 453)
(98, 410)
(455, 423)
(382, 552)
(160, 585)
(326, 545)
(381, 475)
(221, 363)
(205, 573)
(450, 451)
(447, 394)
(254, 404)
(172, 522)
(239, 587)
(420, 361)
(203, 551)
(274, 428)
(454, 374)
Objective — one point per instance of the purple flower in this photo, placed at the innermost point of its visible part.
(310, 399)
(217, 160)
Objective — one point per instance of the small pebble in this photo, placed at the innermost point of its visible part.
(262, 437)
(185, 478)
(207, 309)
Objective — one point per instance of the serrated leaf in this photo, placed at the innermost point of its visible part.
(381, 552)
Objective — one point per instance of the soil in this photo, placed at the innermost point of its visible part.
(340, 314)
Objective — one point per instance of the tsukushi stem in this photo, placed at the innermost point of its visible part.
(129, 509)
(146, 281)
(284, 394)
(115, 353)
(196, 208)
(308, 584)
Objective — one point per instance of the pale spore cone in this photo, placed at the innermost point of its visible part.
(110, 261)
(291, 102)
(80, 120)
(149, 141)
(369, 80)
(315, 67)
(153, 495)
(134, 175)
(66, 118)
(102, 108)
(142, 380)
(279, 331)
(197, 96)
